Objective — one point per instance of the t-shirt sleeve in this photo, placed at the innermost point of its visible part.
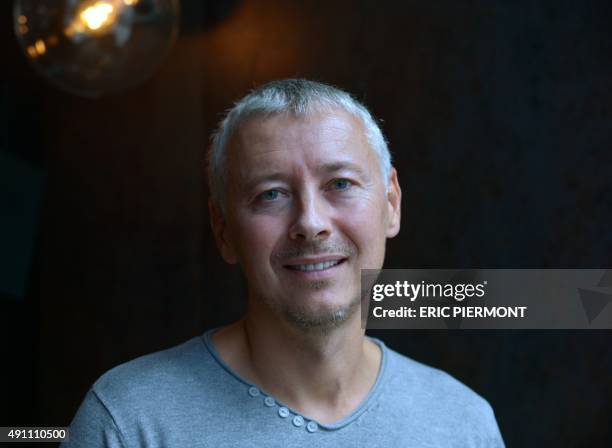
(93, 426)
(492, 436)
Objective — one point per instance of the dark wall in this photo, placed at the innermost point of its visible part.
(499, 117)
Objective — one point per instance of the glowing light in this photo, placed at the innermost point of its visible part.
(94, 18)
(32, 51)
(93, 47)
(40, 46)
(100, 14)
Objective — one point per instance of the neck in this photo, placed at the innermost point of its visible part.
(324, 374)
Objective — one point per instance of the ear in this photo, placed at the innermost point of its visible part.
(394, 204)
(220, 231)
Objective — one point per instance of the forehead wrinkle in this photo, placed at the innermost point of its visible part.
(309, 129)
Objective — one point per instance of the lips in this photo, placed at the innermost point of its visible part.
(314, 265)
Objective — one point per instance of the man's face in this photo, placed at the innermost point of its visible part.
(307, 209)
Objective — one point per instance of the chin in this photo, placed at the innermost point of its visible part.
(324, 317)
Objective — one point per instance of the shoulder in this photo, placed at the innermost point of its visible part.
(155, 398)
(152, 377)
(433, 397)
(432, 383)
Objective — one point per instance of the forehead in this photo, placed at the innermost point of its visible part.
(262, 143)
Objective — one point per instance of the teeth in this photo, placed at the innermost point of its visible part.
(315, 267)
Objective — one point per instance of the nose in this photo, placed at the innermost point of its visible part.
(312, 220)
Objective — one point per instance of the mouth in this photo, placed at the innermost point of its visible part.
(315, 265)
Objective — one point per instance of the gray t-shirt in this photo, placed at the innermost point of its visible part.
(187, 396)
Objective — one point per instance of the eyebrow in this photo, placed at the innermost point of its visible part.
(267, 177)
(334, 167)
(328, 168)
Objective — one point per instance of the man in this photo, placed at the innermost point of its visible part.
(303, 196)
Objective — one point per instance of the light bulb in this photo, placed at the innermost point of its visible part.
(92, 47)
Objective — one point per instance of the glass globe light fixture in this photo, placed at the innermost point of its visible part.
(93, 47)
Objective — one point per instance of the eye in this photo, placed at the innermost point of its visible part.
(269, 195)
(341, 184)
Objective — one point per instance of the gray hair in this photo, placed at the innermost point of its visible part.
(298, 97)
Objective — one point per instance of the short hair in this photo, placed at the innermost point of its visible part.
(299, 97)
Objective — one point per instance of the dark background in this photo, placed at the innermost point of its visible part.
(499, 117)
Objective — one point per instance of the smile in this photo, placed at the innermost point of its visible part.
(315, 267)
(319, 266)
